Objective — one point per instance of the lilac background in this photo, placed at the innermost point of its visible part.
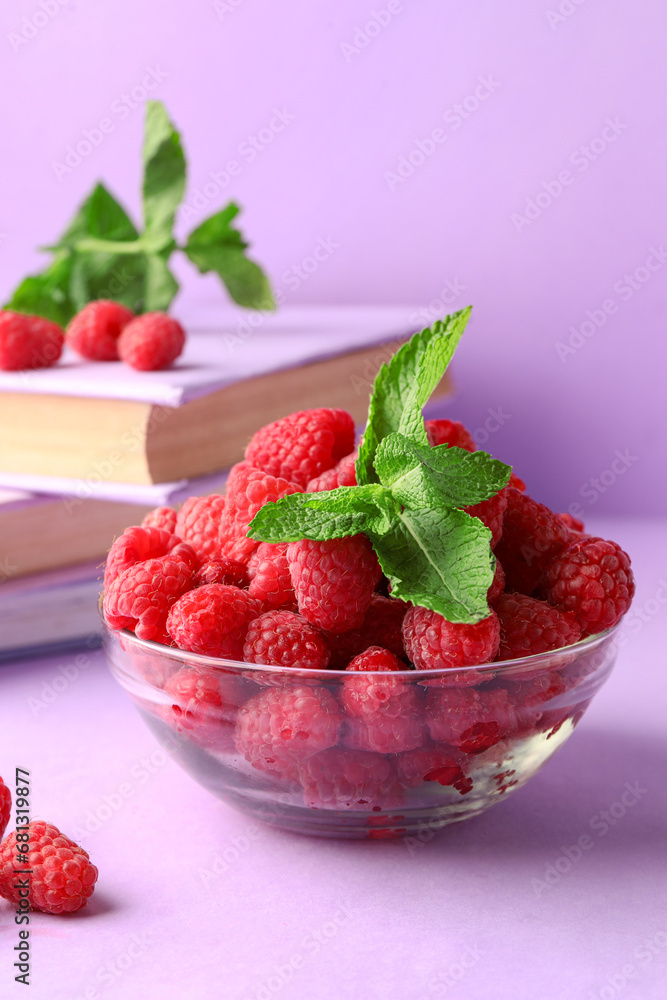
(227, 65)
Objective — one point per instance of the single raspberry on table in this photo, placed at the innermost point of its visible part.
(283, 639)
(205, 705)
(270, 579)
(491, 513)
(199, 522)
(470, 720)
(498, 584)
(334, 580)
(135, 545)
(384, 712)
(61, 878)
(529, 626)
(573, 523)
(432, 763)
(382, 626)
(433, 643)
(592, 579)
(343, 474)
(161, 517)
(451, 432)
(222, 570)
(532, 538)
(28, 341)
(213, 620)
(140, 598)
(94, 331)
(303, 445)
(349, 779)
(282, 726)
(5, 807)
(151, 341)
(248, 489)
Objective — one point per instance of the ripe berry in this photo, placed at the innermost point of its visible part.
(348, 779)
(384, 713)
(151, 341)
(199, 522)
(432, 763)
(528, 627)
(283, 639)
(5, 807)
(573, 523)
(136, 545)
(491, 513)
(343, 474)
(28, 341)
(94, 331)
(213, 620)
(498, 584)
(270, 579)
(532, 538)
(531, 699)
(470, 720)
(222, 570)
(433, 643)
(248, 489)
(591, 578)
(303, 445)
(61, 878)
(382, 626)
(140, 598)
(162, 517)
(204, 706)
(451, 432)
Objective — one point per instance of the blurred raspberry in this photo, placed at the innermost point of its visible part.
(343, 474)
(467, 719)
(94, 331)
(161, 517)
(348, 779)
(151, 342)
(303, 445)
(491, 513)
(591, 578)
(498, 585)
(432, 763)
(384, 712)
(213, 620)
(382, 626)
(532, 538)
(516, 483)
(5, 807)
(28, 341)
(61, 879)
(205, 705)
(270, 579)
(222, 570)
(450, 432)
(528, 627)
(334, 580)
(283, 639)
(140, 598)
(573, 523)
(433, 643)
(198, 522)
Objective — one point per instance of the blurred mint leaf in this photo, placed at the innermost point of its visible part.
(347, 510)
(100, 215)
(164, 177)
(160, 286)
(46, 294)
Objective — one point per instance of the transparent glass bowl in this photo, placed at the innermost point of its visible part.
(356, 755)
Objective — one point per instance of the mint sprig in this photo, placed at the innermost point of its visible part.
(102, 254)
(410, 495)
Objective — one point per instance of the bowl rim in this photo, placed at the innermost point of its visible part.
(497, 667)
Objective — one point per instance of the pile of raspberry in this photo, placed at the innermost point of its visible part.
(192, 579)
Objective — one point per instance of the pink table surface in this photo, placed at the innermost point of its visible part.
(196, 901)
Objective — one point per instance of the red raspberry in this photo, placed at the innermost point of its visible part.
(528, 627)
(151, 342)
(270, 580)
(5, 806)
(451, 432)
(348, 779)
(334, 580)
(283, 639)
(222, 570)
(432, 763)
(199, 522)
(62, 878)
(374, 658)
(384, 712)
(140, 598)
(491, 513)
(28, 341)
(161, 517)
(205, 706)
(433, 643)
(573, 523)
(136, 545)
(213, 620)
(592, 578)
(94, 331)
(303, 445)
(517, 483)
(248, 489)
(281, 726)
(530, 699)
(343, 474)
(498, 585)
(532, 537)
(382, 626)
(467, 719)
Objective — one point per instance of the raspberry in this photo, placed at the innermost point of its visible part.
(382, 626)
(467, 719)
(532, 537)
(213, 620)
(573, 523)
(283, 639)
(198, 522)
(5, 806)
(432, 643)
(384, 712)
(303, 445)
(343, 474)
(450, 432)
(432, 763)
(222, 570)
(140, 598)
(334, 580)
(491, 513)
(161, 517)
(592, 578)
(517, 483)
(281, 726)
(248, 489)
(498, 584)
(28, 341)
(530, 701)
(62, 878)
(270, 580)
(151, 342)
(205, 706)
(528, 627)
(136, 545)
(348, 779)
(94, 331)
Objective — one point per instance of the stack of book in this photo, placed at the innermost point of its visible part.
(87, 449)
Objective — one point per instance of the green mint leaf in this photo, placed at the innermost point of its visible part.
(100, 215)
(396, 387)
(46, 294)
(215, 245)
(164, 177)
(347, 510)
(420, 476)
(439, 559)
(160, 286)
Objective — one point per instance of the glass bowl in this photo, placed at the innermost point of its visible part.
(358, 755)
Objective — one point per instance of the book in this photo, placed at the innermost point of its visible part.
(90, 422)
